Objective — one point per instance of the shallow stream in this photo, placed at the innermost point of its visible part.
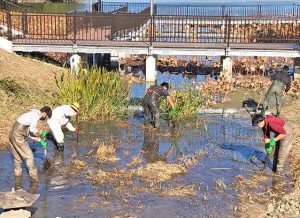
(228, 145)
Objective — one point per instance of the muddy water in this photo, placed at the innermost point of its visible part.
(65, 192)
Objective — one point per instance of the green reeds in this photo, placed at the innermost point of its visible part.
(99, 93)
(187, 100)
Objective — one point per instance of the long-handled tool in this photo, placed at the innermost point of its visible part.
(76, 138)
(266, 162)
(47, 161)
(169, 151)
(260, 98)
(77, 128)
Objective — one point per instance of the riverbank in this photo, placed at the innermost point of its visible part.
(25, 83)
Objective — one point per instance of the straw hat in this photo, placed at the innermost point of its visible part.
(75, 106)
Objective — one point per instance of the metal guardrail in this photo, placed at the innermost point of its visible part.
(115, 6)
(196, 9)
(10, 6)
(206, 9)
(230, 10)
(87, 26)
(7, 6)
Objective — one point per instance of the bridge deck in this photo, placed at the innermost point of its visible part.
(160, 48)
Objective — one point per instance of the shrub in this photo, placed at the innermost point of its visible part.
(187, 100)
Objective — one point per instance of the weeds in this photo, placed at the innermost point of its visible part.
(187, 100)
(12, 88)
(100, 93)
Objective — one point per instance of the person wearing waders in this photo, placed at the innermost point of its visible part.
(24, 127)
(60, 117)
(151, 103)
(281, 144)
(281, 82)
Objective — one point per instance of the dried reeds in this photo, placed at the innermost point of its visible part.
(159, 172)
(106, 153)
(78, 164)
(192, 160)
(179, 190)
(121, 177)
(134, 161)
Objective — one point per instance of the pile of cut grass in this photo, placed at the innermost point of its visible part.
(159, 172)
(106, 153)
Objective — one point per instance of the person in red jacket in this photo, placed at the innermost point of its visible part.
(283, 138)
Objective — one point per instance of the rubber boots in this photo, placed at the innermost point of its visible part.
(60, 147)
(18, 182)
(33, 186)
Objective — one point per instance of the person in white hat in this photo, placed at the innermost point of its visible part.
(60, 117)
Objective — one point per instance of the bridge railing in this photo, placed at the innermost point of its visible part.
(95, 27)
(264, 30)
(207, 9)
(10, 6)
(115, 6)
(219, 29)
(230, 10)
(5, 21)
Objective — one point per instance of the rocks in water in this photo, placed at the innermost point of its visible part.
(17, 199)
(16, 214)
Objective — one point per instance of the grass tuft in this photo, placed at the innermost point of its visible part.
(99, 92)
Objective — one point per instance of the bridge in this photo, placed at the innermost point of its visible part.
(176, 30)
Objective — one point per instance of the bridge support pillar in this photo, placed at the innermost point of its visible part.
(296, 68)
(151, 73)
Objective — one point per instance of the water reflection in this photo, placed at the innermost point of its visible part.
(138, 89)
(150, 148)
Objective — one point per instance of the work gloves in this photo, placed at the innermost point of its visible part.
(43, 143)
(43, 133)
(174, 112)
(269, 146)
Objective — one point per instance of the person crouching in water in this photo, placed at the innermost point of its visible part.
(24, 127)
(61, 116)
(151, 103)
(282, 141)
